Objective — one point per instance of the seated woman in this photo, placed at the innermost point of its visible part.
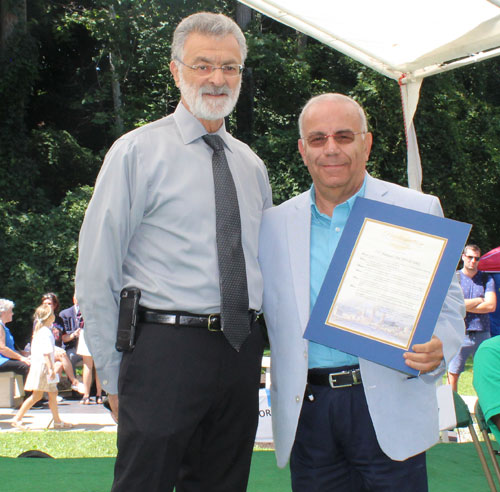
(10, 358)
(88, 365)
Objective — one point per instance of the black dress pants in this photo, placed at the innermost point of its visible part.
(188, 411)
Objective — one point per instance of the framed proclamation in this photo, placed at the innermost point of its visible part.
(386, 283)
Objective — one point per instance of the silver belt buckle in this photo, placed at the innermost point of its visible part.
(212, 317)
(355, 378)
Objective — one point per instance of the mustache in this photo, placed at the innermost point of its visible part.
(215, 91)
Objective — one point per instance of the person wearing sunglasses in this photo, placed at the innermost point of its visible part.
(480, 299)
(345, 423)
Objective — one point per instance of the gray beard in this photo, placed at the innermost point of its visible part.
(208, 110)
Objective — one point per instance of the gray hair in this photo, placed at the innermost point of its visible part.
(330, 96)
(5, 305)
(208, 24)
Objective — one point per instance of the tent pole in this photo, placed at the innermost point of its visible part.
(410, 91)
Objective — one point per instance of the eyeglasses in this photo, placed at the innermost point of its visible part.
(477, 258)
(205, 69)
(341, 138)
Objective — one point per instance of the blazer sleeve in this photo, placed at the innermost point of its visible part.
(450, 327)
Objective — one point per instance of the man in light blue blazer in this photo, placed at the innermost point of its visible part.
(347, 424)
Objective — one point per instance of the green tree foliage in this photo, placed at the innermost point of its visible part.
(131, 51)
(275, 130)
(74, 75)
(39, 253)
(18, 69)
(63, 163)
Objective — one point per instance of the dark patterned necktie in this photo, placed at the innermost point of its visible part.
(235, 321)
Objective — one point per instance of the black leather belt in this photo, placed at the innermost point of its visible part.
(211, 322)
(342, 379)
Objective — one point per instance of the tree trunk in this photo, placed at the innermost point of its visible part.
(115, 87)
(243, 15)
(244, 108)
(117, 97)
(9, 19)
(301, 42)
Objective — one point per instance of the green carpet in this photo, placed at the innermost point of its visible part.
(451, 468)
(456, 468)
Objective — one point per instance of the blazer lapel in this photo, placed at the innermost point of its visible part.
(377, 190)
(298, 230)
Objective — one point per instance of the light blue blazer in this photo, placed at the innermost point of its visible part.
(404, 411)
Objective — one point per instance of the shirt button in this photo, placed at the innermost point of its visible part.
(337, 229)
(297, 399)
(305, 354)
(104, 381)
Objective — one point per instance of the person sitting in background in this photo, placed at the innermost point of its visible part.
(88, 365)
(10, 358)
(50, 299)
(73, 318)
(42, 376)
(72, 323)
(486, 381)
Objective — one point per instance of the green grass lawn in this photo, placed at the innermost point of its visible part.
(103, 444)
(60, 444)
(65, 444)
(465, 387)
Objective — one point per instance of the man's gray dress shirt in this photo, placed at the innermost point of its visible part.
(151, 224)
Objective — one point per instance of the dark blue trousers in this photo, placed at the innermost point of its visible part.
(336, 448)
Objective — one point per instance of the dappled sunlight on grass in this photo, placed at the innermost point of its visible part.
(465, 387)
(60, 444)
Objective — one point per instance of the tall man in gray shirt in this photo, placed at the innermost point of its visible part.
(188, 400)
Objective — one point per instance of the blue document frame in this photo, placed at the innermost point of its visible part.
(386, 283)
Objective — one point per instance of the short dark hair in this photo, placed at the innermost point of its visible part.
(473, 247)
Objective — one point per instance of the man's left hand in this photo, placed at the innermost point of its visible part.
(425, 356)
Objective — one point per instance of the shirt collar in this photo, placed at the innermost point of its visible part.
(191, 128)
(349, 202)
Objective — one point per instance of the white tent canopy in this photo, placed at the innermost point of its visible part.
(403, 40)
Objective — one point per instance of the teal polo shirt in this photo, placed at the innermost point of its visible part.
(325, 236)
